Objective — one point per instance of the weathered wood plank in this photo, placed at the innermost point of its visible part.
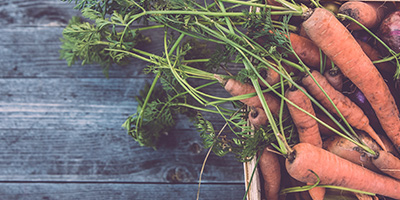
(35, 13)
(63, 124)
(108, 155)
(34, 52)
(82, 119)
(72, 102)
(88, 191)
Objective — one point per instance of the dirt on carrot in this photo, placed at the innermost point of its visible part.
(355, 65)
(305, 164)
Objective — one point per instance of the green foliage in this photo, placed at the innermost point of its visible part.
(89, 42)
(263, 30)
(107, 36)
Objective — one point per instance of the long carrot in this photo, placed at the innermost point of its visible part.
(271, 173)
(308, 159)
(388, 164)
(350, 111)
(329, 34)
(307, 127)
(369, 14)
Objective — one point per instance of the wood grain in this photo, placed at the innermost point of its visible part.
(60, 126)
(96, 191)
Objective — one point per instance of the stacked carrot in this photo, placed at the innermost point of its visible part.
(334, 160)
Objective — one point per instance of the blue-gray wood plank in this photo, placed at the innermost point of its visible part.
(60, 126)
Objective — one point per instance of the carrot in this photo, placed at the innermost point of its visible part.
(349, 151)
(350, 111)
(335, 78)
(257, 117)
(236, 88)
(338, 44)
(307, 127)
(271, 173)
(333, 170)
(369, 14)
(374, 55)
(307, 51)
(387, 163)
(270, 76)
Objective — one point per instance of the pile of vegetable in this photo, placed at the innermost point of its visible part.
(310, 88)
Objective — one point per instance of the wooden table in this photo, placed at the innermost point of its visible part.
(60, 126)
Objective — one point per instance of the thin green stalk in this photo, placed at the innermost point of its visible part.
(139, 121)
(149, 27)
(200, 109)
(308, 187)
(248, 3)
(181, 81)
(193, 35)
(386, 59)
(196, 60)
(228, 22)
(134, 18)
(254, 80)
(187, 12)
(181, 94)
(133, 55)
(176, 43)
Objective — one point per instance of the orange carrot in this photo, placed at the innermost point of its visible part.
(307, 127)
(374, 55)
(257, 117)
(337, 43)
(236, 88)
(335, 78)
(369, 14)
(307, 51)
(350, 111)
(270, 76)
(333, 170)
(349, 151)
(387, 163)
(271, 173)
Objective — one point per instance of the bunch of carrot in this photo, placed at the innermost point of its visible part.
(297, 77)
(365, 161)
